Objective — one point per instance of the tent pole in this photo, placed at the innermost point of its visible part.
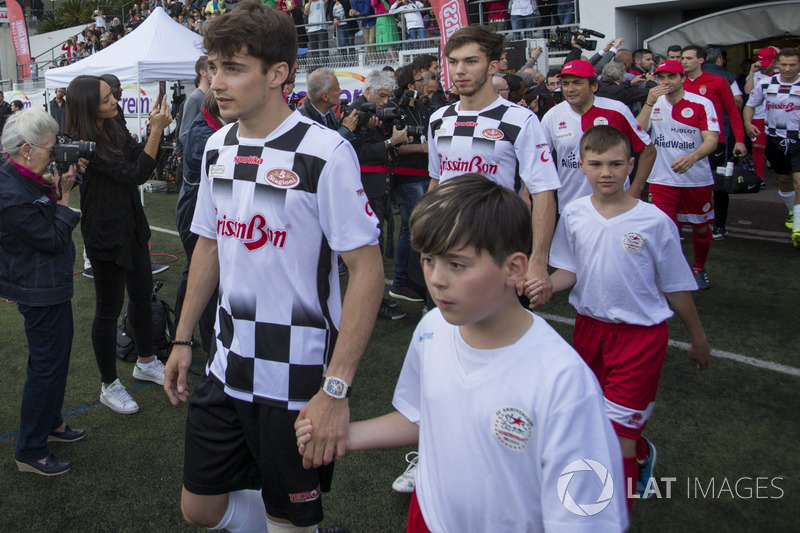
(139, 132)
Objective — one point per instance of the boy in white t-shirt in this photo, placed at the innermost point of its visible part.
(511, 426)
(624, 259)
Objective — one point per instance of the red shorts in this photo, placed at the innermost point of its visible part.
(416, 524)
(627, 360)
(686, 206)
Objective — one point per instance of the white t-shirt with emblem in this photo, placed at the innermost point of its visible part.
(497, 443)
(623, 265)
(277, 209)
(563, 130)
(676, 131)
(502, 141)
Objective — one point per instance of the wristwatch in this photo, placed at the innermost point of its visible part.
(336, 388)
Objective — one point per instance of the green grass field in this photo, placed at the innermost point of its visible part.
(733, 422)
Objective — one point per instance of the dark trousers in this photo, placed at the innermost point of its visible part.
(110, 283)
(719, 158)
(49, 331)
(209, 313)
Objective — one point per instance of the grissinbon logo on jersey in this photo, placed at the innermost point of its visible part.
(476, 164)
(512, 427)
(253, 234)
(492, 134)
(282, 178)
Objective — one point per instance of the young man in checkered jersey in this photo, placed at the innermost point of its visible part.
(279, 194)
(485, 134)
(686, 129)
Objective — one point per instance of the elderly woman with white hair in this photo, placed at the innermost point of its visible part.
(36, 264)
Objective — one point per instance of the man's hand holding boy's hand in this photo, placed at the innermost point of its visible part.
(533, 289)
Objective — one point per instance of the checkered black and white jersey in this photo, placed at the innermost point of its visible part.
(502, 141)
(782, 106)
(278, 208)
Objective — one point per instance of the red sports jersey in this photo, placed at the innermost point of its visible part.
(718, 90)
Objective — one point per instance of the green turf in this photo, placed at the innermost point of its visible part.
(729, 422)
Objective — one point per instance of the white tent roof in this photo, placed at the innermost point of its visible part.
(754, 22)
(159, 49)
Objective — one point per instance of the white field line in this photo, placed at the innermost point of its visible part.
(768, 365)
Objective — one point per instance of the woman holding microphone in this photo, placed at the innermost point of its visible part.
(115, 230)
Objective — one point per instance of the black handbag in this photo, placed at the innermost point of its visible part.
(743, 181)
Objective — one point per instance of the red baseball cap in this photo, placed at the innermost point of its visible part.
(674, 67)
(580, 68)
(767, 55)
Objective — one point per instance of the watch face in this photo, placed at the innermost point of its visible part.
(335, 387)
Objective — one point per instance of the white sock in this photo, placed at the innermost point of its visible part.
(86, 264)
(245, 514)
(788, 199)
(146, 365)
(796, 211)
(279, 527)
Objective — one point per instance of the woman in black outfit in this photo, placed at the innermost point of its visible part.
(115, 230)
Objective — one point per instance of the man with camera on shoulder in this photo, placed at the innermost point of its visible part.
(376, 144)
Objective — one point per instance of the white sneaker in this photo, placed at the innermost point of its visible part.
(408, 480)
(116, 398)
(154, 372)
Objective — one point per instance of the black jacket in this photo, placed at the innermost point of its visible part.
(418, 115)
(308, 110)
(372, 152)
(113, 216)
(36, 249)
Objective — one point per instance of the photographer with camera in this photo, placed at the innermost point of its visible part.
(115, 230)
(410, 180)
(322, 96)
(36, 258)
(376, 142)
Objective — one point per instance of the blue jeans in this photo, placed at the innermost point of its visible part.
(406, 195)
(566, 12)
(417, 36)
(519, 22)
(49, 331)
(345, 38)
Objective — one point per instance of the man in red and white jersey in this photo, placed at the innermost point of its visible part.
(718, 90)
(685, 128)
(781, 94)
(581, 109)
(489, 135)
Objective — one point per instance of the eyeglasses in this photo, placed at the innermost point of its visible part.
(51, 150)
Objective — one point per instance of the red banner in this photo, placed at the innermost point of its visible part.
(19, 35)
(451, 15)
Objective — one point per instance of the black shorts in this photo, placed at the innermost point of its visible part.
(236, 445)
(783, 154)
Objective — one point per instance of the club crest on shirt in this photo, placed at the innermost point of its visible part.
(687, 112)
(703, 90)
(600, 121)
(633, 242)
(215, 171)
(492, 134)
(282, 178)
(512, 427)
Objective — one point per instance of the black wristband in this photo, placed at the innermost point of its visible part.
(180, 343)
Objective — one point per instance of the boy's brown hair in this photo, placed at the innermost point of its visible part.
(600, 139)
(471, 210)
(491, 43)
(254, 29)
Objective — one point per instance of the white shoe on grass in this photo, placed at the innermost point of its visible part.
(408, 480)
(153, 372)
(116, 398)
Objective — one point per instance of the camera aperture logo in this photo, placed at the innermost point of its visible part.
(580, 473)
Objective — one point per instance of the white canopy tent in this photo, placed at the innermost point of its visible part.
(754, 22)
(159, 49)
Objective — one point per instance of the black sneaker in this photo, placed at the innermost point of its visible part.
(718, 233)
(405, 293)
(388, 312)
(88, 273)
(158, 268)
